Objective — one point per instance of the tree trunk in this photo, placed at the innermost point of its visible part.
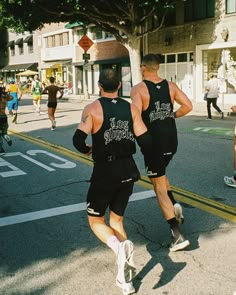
(135, 59)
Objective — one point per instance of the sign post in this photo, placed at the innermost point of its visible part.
(85, 42)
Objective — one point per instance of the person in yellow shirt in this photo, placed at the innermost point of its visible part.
(12, 105)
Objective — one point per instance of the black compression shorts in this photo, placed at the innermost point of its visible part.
(52, 104)
(115, 197)
(157, 167)
(111, 186)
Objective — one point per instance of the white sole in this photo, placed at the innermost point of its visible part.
(180, 246)
(125, 291)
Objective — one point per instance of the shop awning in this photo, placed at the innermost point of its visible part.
(73, 25)
(11, 43)
(28, 39)
(55, 64)
(19, 67)
(19, 41)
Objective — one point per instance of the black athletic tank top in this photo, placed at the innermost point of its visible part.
(115, 139)
(159, 118)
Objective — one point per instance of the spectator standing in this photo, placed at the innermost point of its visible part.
(212, 89)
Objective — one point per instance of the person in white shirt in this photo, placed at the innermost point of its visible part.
(212, 88)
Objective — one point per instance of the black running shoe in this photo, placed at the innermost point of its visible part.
(178, 243)
(2, 152)
(8, 139)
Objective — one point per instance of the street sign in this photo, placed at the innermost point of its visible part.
(86, 56)
(85, 42)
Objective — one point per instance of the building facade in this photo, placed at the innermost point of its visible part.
(202, 41)
(199, 39)
(19, 53)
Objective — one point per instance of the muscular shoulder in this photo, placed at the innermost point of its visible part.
(93, 108)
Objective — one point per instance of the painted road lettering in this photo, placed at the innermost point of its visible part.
(15, 171)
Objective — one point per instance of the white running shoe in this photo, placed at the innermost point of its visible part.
(178, 213)
(53, 125)
(178, 243)
(125, 262)
(127, 288)
(230, 181)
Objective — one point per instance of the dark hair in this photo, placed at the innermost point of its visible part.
(151, 60)
(52, 79)
(109, 80)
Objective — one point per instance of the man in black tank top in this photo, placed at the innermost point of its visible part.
(155, 97)
(113, 123)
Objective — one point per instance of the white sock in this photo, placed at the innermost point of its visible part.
(113, 243)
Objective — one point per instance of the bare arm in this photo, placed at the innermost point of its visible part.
(139, 126)
(19, 93)
(136, 97)
(181, 98)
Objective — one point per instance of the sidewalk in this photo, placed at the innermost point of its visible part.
(199, 108)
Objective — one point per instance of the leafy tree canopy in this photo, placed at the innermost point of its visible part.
(121, 18)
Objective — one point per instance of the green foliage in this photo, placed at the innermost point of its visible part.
(120, 18)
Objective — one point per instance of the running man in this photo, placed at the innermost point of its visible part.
(36, 91)
(113, 123)
(54, 92)
(4, 99)
(16, 93)
(155, 98)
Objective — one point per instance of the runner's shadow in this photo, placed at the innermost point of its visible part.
(169, 268)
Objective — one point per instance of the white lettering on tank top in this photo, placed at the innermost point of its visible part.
(163, 111)
(119, 130)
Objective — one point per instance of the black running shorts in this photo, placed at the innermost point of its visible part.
(157, 166)
(111, 186)
(52, 104)
(115, 197)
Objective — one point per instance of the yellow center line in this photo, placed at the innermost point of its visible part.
(216, 208)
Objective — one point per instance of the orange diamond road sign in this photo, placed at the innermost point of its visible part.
(85, 42)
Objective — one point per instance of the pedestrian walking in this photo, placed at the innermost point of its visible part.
(212, 89)
(54, 93)
(113, 123)
(36, 91)
(13, 104)
(4, 99)
(155, 98)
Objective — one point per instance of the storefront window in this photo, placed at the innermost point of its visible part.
(230, 6)
(221, 62)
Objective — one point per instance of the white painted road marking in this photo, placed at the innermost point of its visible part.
(15, 171)
(10, 220)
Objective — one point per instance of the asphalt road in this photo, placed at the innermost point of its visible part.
(47, 246)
